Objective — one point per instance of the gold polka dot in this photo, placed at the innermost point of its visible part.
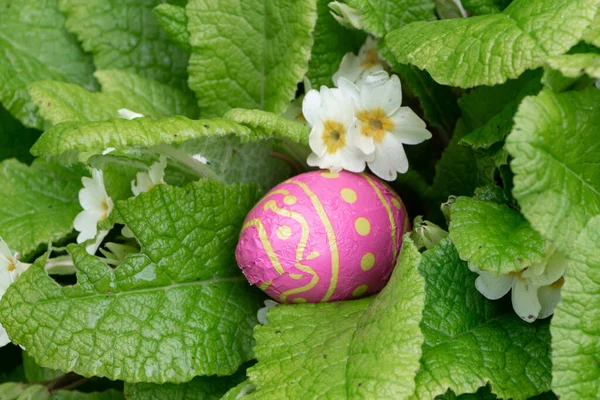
(284, 232)
(349, 195)
(298, 300)
(396, 203)
(359, 291)
(313, 255)
(362, 226)
(289, 200)
(367, 261)
(330, 175)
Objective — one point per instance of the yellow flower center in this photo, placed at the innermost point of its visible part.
(371, 60)
(11, 267)
(375, 123)
(334, 136)
(105, 208)
(558, 284)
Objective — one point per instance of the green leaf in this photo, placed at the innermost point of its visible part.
(269, 125)
(365, 348)
(180, 308)
(30, 34)
(469, 342)
(199, 388)
(173, 21)
(23, 391)
(452, 50)
(123, 34)
(577, 65)
(592, 34)
(446, 9)
(555, 149)
(256, 65)
(494, 237)
(34, 373)
(481, 7)
(239, 391)
(332, 42)
(61, 102)
(234, 152)
(382, 16)
(575, 335)
(38, 203)
(437, 101)
(15, 139)
(73, 395)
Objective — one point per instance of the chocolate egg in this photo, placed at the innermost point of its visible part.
(323, 236)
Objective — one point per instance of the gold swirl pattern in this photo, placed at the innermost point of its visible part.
(335, 256)
(264, 239)
(272, 205)
(387, 208)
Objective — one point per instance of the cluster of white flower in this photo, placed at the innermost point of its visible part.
(361, 120)
(535, 290)
(10, 269)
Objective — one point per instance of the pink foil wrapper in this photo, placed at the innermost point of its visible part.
(323, 236)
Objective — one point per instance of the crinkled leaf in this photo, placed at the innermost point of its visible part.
(34, 45)
(199, 388)
(437, 101)
(74, 395)
(576, 65)
(555, 148)
(178, 309)
(592, 34)
(481, 7)
(382, 16)
(575, 331)
(234, 152)
(38, 203)
(23, 391)
(269, 125)
(332, 42)
(124, 34)
(15, 139)
(366, 348)
(522, 37)
(239, 391)
(173, 21)
(248, 54)
(61, 102)
(469, 342)
(494, 237)
(34, 373)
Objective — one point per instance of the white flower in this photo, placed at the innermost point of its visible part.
(535, 290)
(146, 180)
(354, 68)
(331, 114)
(294, 111)
(262, 312)
(10, 269)
(382, 126)
(344, 14)
(128, 114)
(96, 206)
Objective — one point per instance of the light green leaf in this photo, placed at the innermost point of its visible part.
(234, 152)
(199, 388)
(15, 139)
(178, 309)
(575, 333)
(365, 348)
(123, 34)
(62, 102)
(577, 65)
(269, 125)
(173, 21)
(73, 395)
(481, 7)
(555, 148)
(382, 16)
(494, 237)
(38, 203)
(30, 34)
(592, 34)
(332, 42)
(23, 391)
(34, 373)
(257, 64)
(522, 37)
(241, 390)
(469, 342)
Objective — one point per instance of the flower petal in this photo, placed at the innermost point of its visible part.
(549, 297)
(332, 162)
(353, 159)
(389, 159)
(315, 140)
(310, 107)
(525, 300)
(85, 222)
(408, 127)
(349, 90)
(349, 68)
(360, 141)
(493, 286)
(382, 93)
(555, 268)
